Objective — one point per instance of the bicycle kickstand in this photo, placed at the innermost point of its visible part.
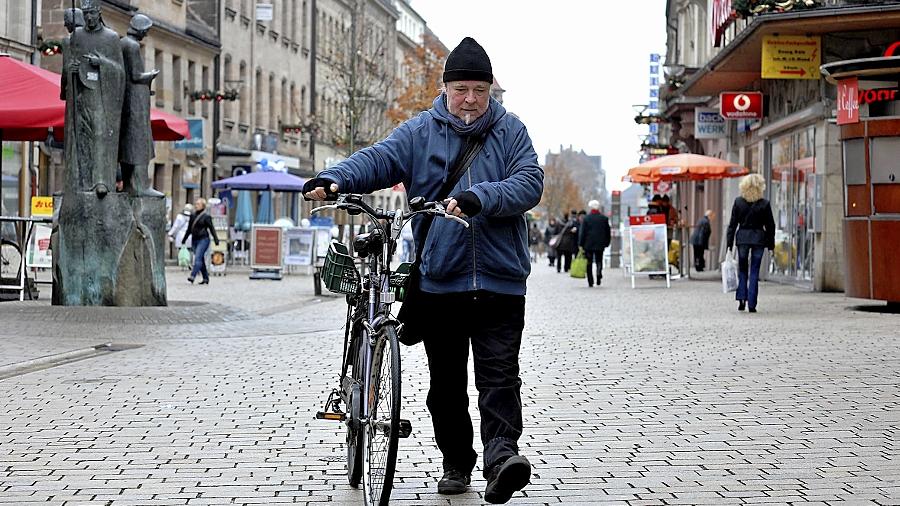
(332, 409)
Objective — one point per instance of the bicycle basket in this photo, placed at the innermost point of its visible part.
(399, 280)
(339, 274)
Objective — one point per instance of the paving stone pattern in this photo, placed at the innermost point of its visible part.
(640, 397)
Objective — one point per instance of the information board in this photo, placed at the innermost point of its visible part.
(266, 247)
(298, 246)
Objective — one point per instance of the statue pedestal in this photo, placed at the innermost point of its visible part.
(109, 251)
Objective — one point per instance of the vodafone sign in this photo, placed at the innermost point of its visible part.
(741, 105)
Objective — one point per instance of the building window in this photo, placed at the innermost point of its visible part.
(159, 85)
(177, 83)
(303, 25)
(192, 86)
(273, 105)
(204, 73)
(260, 119)
(244, 112)
(229, 78)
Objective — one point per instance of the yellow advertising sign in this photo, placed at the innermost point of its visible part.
(791, 57)
(42, 206)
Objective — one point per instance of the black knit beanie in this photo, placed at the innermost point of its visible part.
(468, 62)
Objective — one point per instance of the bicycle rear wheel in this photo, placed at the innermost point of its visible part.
(10, 258)
(383, 430)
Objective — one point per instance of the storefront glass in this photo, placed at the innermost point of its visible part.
(791, 190)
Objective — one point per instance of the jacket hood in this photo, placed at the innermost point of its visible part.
(440, 112)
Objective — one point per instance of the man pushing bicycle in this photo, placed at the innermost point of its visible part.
(471, 281)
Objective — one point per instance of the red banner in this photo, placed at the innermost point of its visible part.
(848, 101)
(650, 219)
(719, 20)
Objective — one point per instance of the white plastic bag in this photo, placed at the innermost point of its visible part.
(729, 273)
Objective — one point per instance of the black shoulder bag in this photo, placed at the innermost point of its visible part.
(413, 313)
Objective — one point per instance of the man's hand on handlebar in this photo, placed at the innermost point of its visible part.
(464, 205)
(320, 189)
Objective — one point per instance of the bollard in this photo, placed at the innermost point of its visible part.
(317, 283)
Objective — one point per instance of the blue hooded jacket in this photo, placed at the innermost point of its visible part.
(492, 254)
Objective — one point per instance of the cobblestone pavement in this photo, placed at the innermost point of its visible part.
(645, 396)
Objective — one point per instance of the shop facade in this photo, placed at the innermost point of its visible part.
(796, 145)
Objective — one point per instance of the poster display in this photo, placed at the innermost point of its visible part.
(323, 240)
(266, 247)
(298, 246)
(39, 254)
(649, 246)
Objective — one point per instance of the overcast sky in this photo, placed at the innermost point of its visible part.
(572, 69)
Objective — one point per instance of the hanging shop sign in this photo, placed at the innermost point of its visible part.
(708, 124)
(848, 101)
(791, 57)
(741, 105)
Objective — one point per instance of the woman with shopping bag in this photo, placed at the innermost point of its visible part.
(752, 228)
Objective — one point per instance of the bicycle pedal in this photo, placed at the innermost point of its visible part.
(405, 428)
(326, 415)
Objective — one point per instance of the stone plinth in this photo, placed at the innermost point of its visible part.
(109, 251)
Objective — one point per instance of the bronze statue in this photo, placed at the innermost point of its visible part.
(136, 139)
(94, 81)
(107, 246)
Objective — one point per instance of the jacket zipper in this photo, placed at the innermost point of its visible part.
(474, 249)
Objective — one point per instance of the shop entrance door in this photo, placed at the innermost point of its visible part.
(791, 190)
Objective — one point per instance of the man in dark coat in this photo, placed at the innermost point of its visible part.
(593, 238)
(700, 240)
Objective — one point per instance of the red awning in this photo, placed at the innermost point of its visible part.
(30, 105)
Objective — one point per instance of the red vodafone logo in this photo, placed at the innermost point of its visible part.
(741, 105)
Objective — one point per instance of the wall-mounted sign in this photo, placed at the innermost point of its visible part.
(848, 101)
(708, 124)
(264, 12)
(195, 127)
(791, 57)
(741, 105)
(42, 206)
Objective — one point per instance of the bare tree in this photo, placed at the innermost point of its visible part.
(360, 79)
(561, 193)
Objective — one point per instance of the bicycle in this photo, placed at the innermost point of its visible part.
(10, 259)
(371, 357)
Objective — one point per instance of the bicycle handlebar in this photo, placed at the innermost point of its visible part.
(353, 200)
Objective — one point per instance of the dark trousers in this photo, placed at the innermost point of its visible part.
(594, 256)
(493, 324)
(563, 260)
(200, 248)
(699, 258)
(748, 275)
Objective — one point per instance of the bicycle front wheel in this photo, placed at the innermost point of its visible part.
(383, 430)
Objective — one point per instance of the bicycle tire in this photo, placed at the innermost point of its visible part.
(355, 436)
(382, 433)
(10, 257)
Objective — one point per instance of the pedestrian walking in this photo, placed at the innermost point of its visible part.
(479, 273)
(567, 242)
(700, 240)
(550, 233)
(594, 237)
(752, 229)
(535, 242)
(199, 230)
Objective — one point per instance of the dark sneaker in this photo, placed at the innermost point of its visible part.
(454, 482)
(741, 305)
(507, 478)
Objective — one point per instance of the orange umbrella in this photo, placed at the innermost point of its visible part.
(683, 167)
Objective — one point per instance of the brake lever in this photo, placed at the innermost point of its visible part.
(457, 218)
(322, 208)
